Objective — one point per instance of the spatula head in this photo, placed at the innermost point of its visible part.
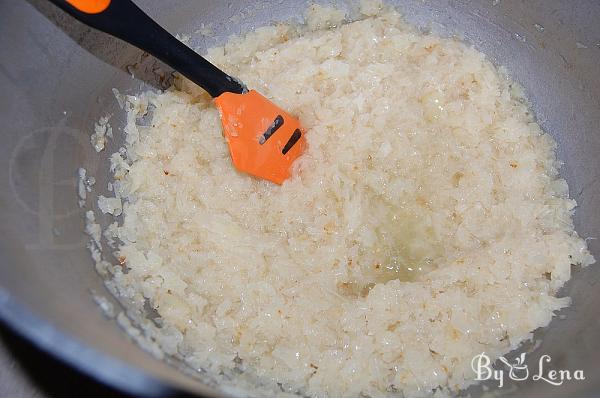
(263, 139)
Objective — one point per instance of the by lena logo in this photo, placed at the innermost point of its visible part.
(519, 371)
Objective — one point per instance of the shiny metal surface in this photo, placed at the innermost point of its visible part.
(56, 78)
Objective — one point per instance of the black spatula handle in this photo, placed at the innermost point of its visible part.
(125, 20)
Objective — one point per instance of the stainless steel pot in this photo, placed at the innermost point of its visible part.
(56, 78)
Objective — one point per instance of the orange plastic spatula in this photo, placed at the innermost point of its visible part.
(263, 139)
